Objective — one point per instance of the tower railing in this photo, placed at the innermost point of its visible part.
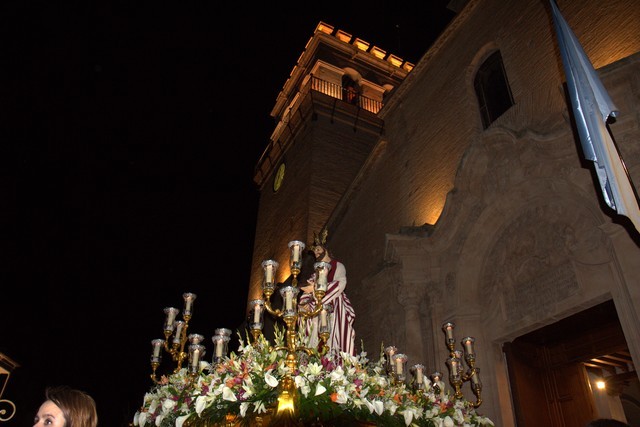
(274, 150)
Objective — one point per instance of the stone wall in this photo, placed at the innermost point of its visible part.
(521, 237)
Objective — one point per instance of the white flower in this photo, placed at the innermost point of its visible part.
(364, 392)
(378, 406)
(180, 420)
(248, 381)
(153, 405)
(337, 374)
(227, 394)
(168, 405)
(432, 412)
(305, 389)
(458, 416)
(243, 408)
(159, 419)
(201, 402)
(408, 416)
(448, 422)
(141, 419)
(248, 391)
(260, 408)
(314, 369)
(270, 379)
(320, 389)
(369, 405)
(341, 396)
(390, 406)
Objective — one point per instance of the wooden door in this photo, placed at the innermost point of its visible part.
(547, 374)
(547, 390)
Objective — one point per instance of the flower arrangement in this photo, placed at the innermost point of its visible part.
(245, 386)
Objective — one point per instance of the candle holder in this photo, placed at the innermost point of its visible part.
(457, 374)
(436, 383)
(289, 295)
(176, 329)
(295, 260)
(293, 317)
(399, 361)
(256, 318)
(184, 347)
(418, 381)
(196, 352)
(324, 328)
(322, 272)
(389, 352)
(270, 268)
(221, 344)
(289, 311)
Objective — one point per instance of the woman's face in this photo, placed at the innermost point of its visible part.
(50, 415)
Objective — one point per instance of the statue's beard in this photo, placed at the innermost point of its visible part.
(321, 255)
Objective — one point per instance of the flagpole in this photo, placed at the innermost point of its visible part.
(592, 107)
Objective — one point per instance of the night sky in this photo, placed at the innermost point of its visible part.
(132, 131)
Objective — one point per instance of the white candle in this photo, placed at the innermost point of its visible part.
(156, 350)
(419, 376)
(323, 318)
(399, 366)
(269, 273)
(196, 357)
(178, 335)
(256, 314)
(468, 345)
(454, 367)
(171, 316)
(188, 302)
(322, 279)
(474, 378)
(449, 330)
(219, 348)
(296, 253)
(288, 300)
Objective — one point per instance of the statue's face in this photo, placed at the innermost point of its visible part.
(319, 252)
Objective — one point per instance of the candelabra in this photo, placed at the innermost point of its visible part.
(457, 376)
(176, 339)
(291, 316)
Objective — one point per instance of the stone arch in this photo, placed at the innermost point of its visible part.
(352, 74)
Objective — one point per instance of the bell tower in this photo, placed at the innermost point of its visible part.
(327, 126)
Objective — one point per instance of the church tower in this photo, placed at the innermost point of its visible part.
(328, 122)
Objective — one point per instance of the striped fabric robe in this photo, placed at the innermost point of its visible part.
(342, 335)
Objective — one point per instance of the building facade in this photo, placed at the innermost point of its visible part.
(446, 206)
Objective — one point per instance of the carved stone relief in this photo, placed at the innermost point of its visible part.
(532, 264)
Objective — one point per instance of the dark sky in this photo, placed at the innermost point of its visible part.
(132, 130)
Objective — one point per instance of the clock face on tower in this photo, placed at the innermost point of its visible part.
(279, 177)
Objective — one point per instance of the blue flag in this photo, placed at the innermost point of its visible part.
(592, 107)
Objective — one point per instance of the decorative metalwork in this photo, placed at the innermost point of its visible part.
(457, 375)
(184, 347)
(7, 407)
